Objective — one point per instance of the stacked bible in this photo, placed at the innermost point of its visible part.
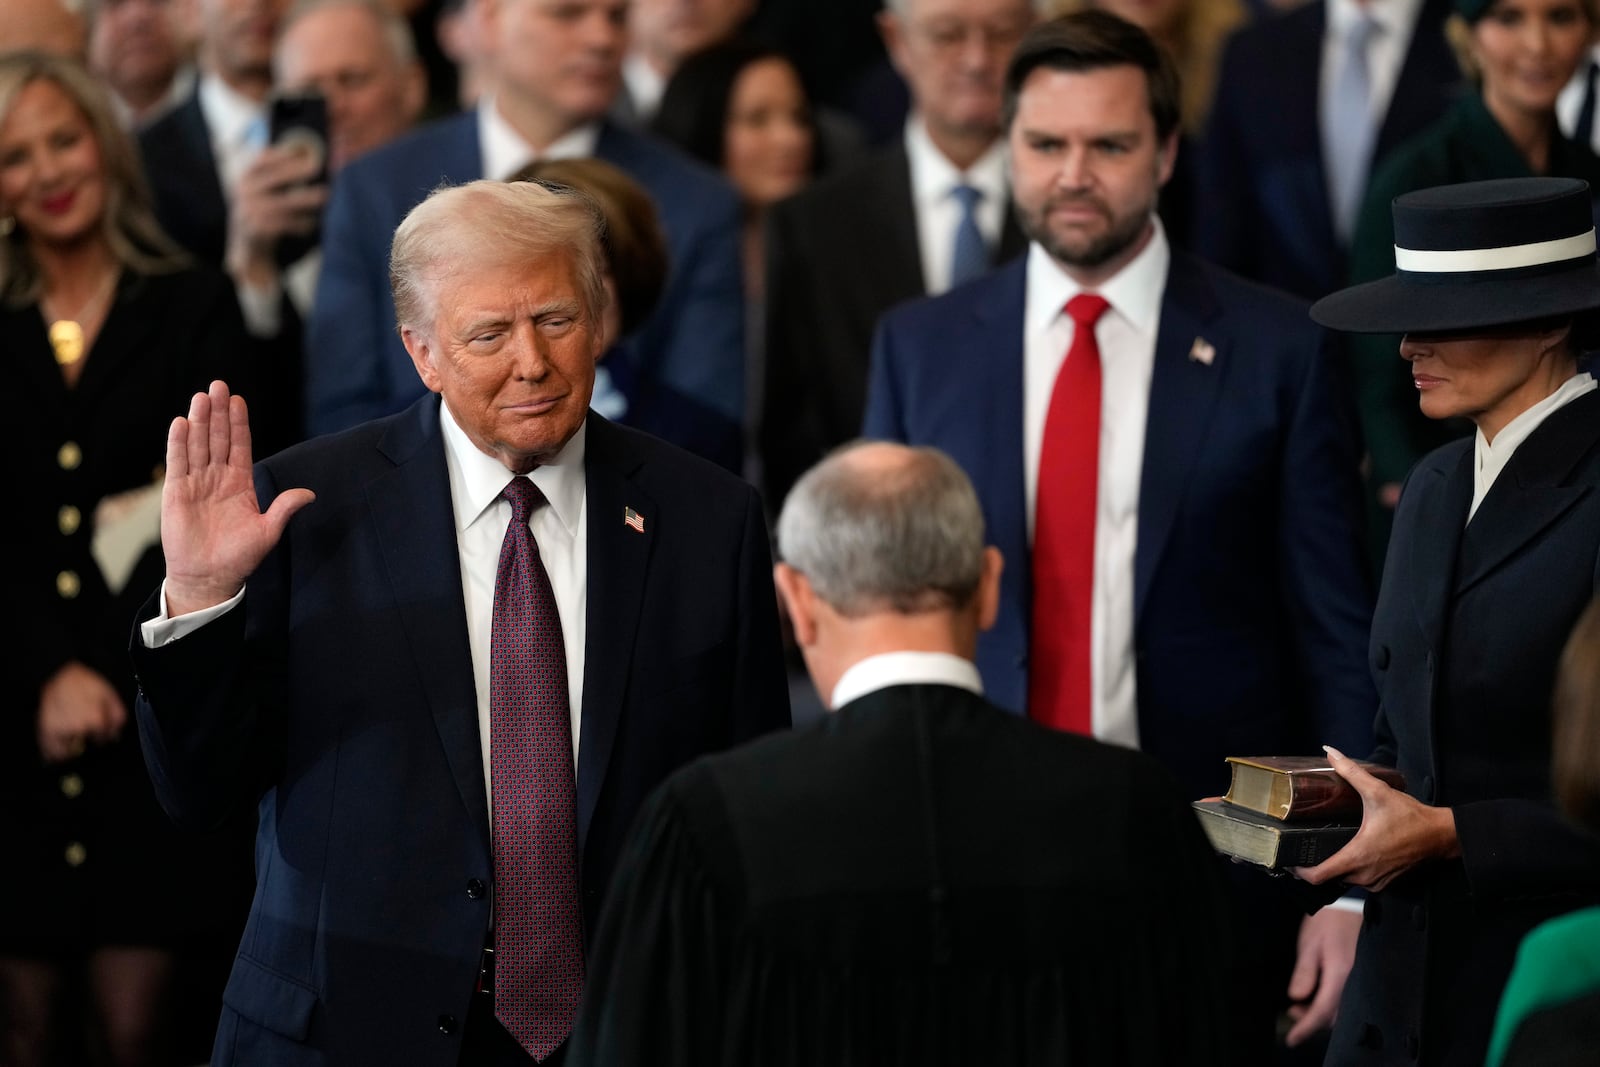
(1286, 811)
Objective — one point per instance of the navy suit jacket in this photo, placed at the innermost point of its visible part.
(686, 363)
(182, 172)
(341, 695)
(1261, 205)
(1251, 593)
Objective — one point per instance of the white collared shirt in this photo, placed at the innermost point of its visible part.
(1490, 459)
(505, 151)
(1127, 338)
(1386, 52)
(904, 668)
(237, 127)
(1570, 102)
(560, 531)
(644, 85)
(933, 177)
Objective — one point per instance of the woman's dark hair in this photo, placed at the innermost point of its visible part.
(694, 108)
(1576, 741)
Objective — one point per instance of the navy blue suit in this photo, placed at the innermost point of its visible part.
(686, 363)
(1251, 593)
(341, 694)
(1261, 205)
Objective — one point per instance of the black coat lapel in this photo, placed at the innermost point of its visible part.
(618, 556)
(418, 539)
(1183, 393)
(1529, 495)
(1443, 490)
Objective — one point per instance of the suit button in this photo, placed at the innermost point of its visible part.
(1419, 917)
(1382, 658)
(68, 519)
(447, 1024)
(71, 786)
(475, 888)
(75, 854)
(69, 456)
(68, 585)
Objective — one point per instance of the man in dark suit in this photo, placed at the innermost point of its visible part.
(1175, 482)
(558, 69)
(1264, 203)
(920, 877)
(844, 251)
(410, 733)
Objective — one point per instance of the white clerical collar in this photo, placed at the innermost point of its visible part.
(1134, 292)
(933, 175)
(477, 479)
(904, 668)
(505, 151)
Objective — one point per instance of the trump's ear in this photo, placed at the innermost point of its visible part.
(421, 351)
(800, 600)
(989, 587)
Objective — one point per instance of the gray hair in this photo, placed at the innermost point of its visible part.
(898, 7)
(484, 225)
(878, 526)
(396, 31)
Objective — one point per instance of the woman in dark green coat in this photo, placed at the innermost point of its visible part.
(1520, 54)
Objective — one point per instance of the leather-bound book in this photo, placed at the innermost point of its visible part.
(1295, 788)
(1271, 843)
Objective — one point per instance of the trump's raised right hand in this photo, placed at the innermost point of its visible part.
(213, 532)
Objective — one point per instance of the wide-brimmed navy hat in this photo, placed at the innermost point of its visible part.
(1478, 254)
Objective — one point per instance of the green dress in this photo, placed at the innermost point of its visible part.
(1465, 144)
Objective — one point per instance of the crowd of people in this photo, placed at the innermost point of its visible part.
(464, 443)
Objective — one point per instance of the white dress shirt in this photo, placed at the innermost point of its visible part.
(505, 151)
(560, 530)
(933, 177)
(1490, 459)
(1570, 102)
(644, 85)
(1127, 339)
(1386, 53)
(904, 668)
(237, 126)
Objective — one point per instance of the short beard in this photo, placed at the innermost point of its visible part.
(1098, 251)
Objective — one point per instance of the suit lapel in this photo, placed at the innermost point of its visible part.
(997, 322)
(1528, 495)
(418, 540)
(618, 557)
(898, 249)
(1443, 490)
(208, 207)
(1183, 392)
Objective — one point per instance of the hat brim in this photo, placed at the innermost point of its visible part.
(1403, 303)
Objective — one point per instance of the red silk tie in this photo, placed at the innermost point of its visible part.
(538, 917)
(1060, 678)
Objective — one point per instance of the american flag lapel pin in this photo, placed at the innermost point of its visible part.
(1202, 351)
(633, 520)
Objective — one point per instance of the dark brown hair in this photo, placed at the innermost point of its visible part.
(1575, 740)
(1094, 40)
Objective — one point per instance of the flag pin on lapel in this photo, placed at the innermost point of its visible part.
(633, 520)
(1202, 351)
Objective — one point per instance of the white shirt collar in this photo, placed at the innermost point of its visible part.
(904, 668)
(1491, 459)
(645, 85)
(1395, 17)
(933, 175)
(477, 479)
(231, 117)
(1134, 292)
(505, 151)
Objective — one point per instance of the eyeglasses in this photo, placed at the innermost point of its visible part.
(951, 36)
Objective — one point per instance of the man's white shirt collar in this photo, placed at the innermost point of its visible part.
(933, 175)
(231, 117)
(477, 479)
(645, 85)
(905, 668)
(505, 151)
(1134, 292)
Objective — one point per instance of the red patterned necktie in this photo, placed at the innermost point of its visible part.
(538, 919)
(1060, 678)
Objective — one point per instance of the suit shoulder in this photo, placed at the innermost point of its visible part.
(666, 169)
(685, 473)
(847, 189)
(415, 152)
(1259, 303)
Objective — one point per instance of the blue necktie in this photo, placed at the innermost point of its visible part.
(1349, 130)
(970, 256)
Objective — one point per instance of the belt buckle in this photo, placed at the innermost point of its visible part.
(486, 971)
